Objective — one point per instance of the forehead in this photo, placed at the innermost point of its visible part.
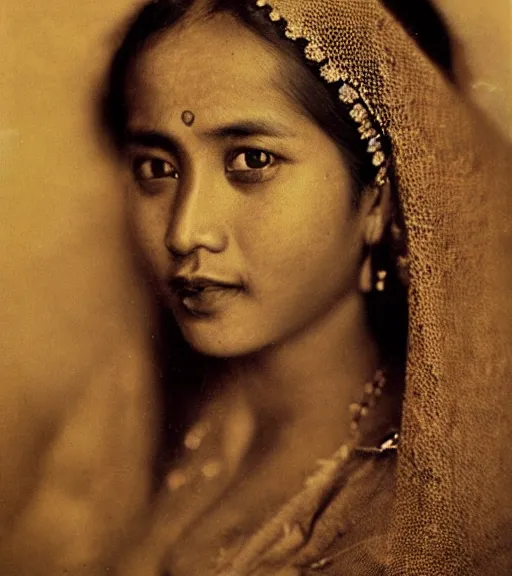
(215, 65)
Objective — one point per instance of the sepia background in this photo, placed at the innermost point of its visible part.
(74, 354)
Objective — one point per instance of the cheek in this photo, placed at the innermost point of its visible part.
(312, 219)
(148, 227)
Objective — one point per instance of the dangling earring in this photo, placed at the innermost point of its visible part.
(373, 276)
(379, 256)
(380, 284)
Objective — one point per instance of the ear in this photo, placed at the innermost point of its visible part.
(376, 212)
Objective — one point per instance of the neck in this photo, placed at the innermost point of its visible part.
(305, 384)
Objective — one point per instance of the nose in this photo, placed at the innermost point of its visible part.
(197, 218)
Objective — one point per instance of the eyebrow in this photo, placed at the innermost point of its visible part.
(151, 139)
(247, 128)
(242, 129)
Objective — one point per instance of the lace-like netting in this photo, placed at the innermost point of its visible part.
(453, 509)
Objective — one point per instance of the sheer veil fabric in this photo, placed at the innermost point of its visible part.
(452, 509)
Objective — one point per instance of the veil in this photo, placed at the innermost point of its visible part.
(452, 506)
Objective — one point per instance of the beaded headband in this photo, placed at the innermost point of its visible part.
(348, 93)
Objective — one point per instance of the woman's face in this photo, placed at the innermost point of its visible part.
(245, 216)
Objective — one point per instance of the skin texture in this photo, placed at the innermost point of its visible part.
(286, 231)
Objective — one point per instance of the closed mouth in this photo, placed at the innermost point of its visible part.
(203, 296)
(193, 286)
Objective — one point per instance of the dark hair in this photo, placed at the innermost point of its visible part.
(387, 311)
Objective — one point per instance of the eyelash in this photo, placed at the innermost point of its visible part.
(165, 169)
(252, 174)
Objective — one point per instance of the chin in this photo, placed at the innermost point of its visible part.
(221, 343)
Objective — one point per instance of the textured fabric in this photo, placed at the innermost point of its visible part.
(337, 522)
(452, 508)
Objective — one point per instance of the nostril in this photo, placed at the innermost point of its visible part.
(212, 242)
(176, 252)
(188, 230)
(179, 248)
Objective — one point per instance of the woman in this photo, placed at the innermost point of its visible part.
(282, 153)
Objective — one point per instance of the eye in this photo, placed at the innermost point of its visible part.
(250, 159)
(251, 165)
(153, 169)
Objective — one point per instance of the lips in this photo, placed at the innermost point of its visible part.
(200, 283)
(204, 295)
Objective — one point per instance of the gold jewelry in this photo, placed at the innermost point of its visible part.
(283, 532)
(215, 466)
(380, 285)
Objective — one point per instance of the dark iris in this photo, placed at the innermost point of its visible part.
(154, 168)
(256, 159)
(161, 169)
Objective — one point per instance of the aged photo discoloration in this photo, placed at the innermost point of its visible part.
(256, 288)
